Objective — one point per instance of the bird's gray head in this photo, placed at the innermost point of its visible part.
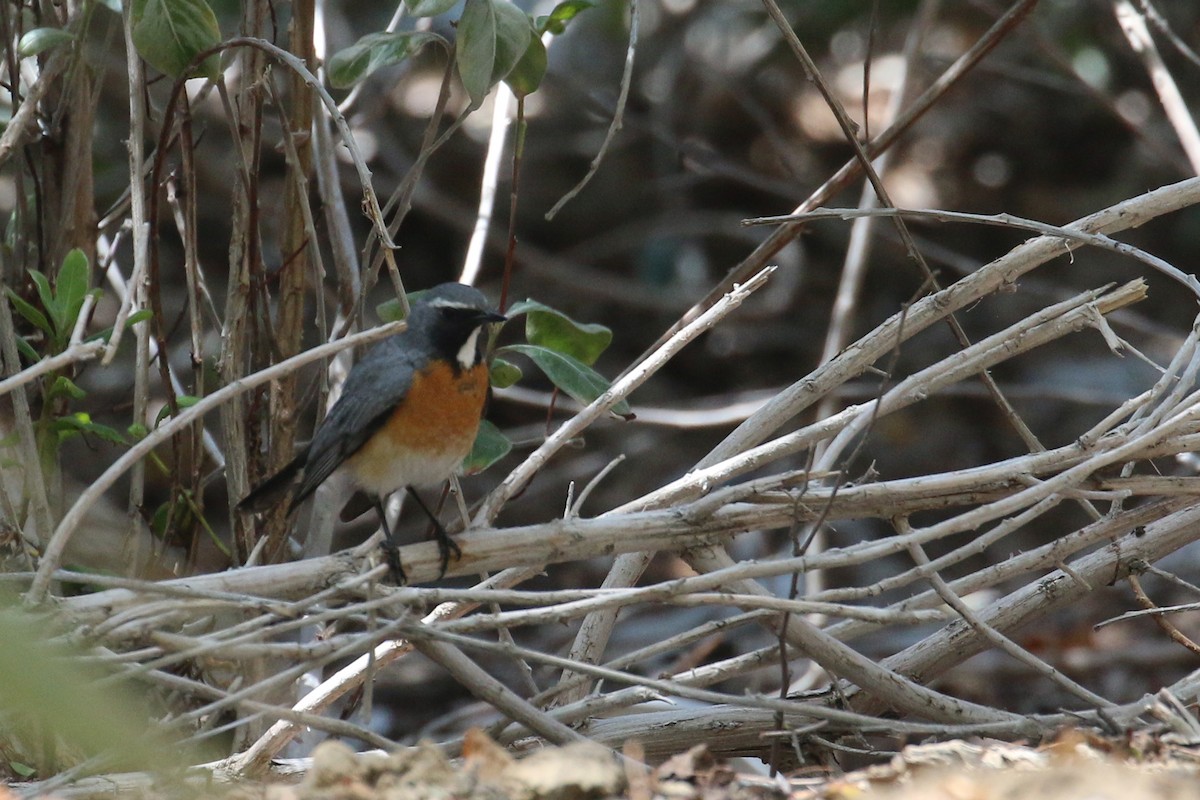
(451, 316)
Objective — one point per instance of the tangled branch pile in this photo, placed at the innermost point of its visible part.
(799, 564)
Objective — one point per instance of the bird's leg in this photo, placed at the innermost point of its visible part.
(446, 545)
(390, 551)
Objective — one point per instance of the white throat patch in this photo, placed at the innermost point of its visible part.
(466, 354)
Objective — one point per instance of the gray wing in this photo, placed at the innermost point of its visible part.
(373, 389)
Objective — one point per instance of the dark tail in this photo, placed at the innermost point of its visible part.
(271, 491)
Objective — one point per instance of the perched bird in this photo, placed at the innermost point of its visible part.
(407, 416)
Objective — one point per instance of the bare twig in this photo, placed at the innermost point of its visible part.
(617, 120)
(1133, 24)
(856, 358)
(520, 476)
(75, 354)
(501, 119)
(763, 254)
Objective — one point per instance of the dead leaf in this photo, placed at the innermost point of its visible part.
(578, 771)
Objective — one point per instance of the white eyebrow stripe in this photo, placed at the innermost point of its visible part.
(441, 302)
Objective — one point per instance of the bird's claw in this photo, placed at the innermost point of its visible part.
(446, 548)
(392, 554)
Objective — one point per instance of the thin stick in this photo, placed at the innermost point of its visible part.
(674, 688)
(479, 683)
(980, 356)
(75, 354)
(35, 484)
(955, 643)
(1005, 270)
(524, 472)
(1069, 232)
(22, 124)
(1159, 615)
(501, 119)
(255, 758)
(618, 119)
(995, 637)
(1133, 25)
(763, 253)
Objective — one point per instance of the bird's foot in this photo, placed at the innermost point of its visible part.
(446, 548)
(392, 554)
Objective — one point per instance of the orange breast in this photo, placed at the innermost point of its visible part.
(428, 435)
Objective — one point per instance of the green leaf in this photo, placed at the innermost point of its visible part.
(141, 315)
(168, 34)
(63, 385)
(493, 35)
(527, 75)
(71, 287)
(569, 374)
(504, 373)
(548, 327)
(428, 8)
(81, 422)
(107, 433)
(375, 51)
(65, 430)
(39, 40)
(30, 313)
(176, 514)
(476, 52)
(514, 30)
(390, 311)
(490, 446)
(415, 295)
(524, 307)
(161, 518)
(46, 295)
(217, 540)
(393, 311)
(183, 401)
(556, 21)
(27, 350)
(21, 770)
